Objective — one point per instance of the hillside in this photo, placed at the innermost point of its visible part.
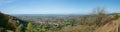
(108, 24)
(10, 23)
(111, 26)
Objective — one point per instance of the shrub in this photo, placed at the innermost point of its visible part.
(19, 28)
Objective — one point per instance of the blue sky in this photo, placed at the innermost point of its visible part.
(57, 6)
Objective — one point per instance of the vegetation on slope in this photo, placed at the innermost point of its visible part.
(11, 23)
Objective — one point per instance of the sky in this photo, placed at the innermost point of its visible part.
(57, 6)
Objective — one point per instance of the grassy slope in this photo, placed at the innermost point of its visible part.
(109, 26)
(112, 26)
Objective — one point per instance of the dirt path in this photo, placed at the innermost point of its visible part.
(112, 26)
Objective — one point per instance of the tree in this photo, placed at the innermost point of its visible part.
(100, 15)
(29, 26)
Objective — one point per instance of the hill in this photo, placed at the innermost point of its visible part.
(11, 23)
(109, 23)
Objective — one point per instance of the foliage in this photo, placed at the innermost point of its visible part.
(19, 28)
(29, 26)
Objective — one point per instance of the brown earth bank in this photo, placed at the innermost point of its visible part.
(111, 26)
